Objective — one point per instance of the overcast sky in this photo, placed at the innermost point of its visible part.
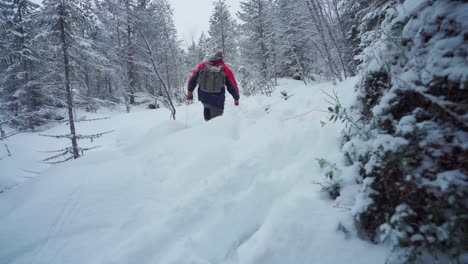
(191, 17)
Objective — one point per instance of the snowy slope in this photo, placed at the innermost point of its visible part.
(236, 189)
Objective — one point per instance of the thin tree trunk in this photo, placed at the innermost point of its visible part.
(88, 87)
(156, 71)
(263, 49)
(130, 60)
(2, 132)
(296, 58)
(318, 24)
(223, 40)
(98, 87)
(109, 83)
(66, 64)
(120, 39)
(348, 53)
(168, 78)
(332, 37)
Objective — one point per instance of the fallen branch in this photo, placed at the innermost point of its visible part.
(10, 135)
(342, 207)
(8, 150)
(30, 171)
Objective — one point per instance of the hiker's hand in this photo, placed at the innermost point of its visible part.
(189, 96)
(236, 103)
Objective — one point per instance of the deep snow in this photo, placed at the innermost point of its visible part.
(237, 189)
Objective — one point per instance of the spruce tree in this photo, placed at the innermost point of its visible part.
(18, 93)
(256, 44)
(223, 31)
(203, 47)
(62, 24)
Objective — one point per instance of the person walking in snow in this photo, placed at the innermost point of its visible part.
(212, 77)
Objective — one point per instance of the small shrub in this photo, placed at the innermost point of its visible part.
(331, 174)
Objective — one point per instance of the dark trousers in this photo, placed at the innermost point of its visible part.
(210, 112)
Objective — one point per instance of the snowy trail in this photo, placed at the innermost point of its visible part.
(236, 189)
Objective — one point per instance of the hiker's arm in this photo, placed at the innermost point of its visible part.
(231, 83)
(192, 83)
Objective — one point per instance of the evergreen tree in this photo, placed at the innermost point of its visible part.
(256, 45)
(193, 56)
(112, 44)
(223, 31)
(410, 110)
(203, 47)
(18, 93)
(64, 29)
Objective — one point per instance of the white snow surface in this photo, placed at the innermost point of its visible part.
(236, 189)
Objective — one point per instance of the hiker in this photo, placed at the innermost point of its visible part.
(212, 76)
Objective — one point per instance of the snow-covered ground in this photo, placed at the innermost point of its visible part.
(237, 189)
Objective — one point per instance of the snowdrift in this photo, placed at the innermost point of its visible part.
(237, 189)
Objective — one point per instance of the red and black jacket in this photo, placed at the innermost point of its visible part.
(216, 99)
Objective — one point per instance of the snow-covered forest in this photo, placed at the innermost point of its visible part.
(350, 143)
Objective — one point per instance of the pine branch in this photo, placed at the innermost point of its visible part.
(86, 120)
(7, 121)
(98, 135)
(58, 162)
(69, 136)
(57, 136)
(82, 150)
(61, 154)
(14, 118)
(56, 151)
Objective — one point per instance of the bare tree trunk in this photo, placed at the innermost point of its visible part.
(109, 84)
(2, 132)
(348, 53)
(318, 24)
(120, 39)
(223, 39)
(298, 62)
(263, 49)
(332, 37)
(130, 55)
(88, 88)
(66, 64)
(168, 77)
(98, 87)
(23, 46)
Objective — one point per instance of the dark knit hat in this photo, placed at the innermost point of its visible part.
(218, 56)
